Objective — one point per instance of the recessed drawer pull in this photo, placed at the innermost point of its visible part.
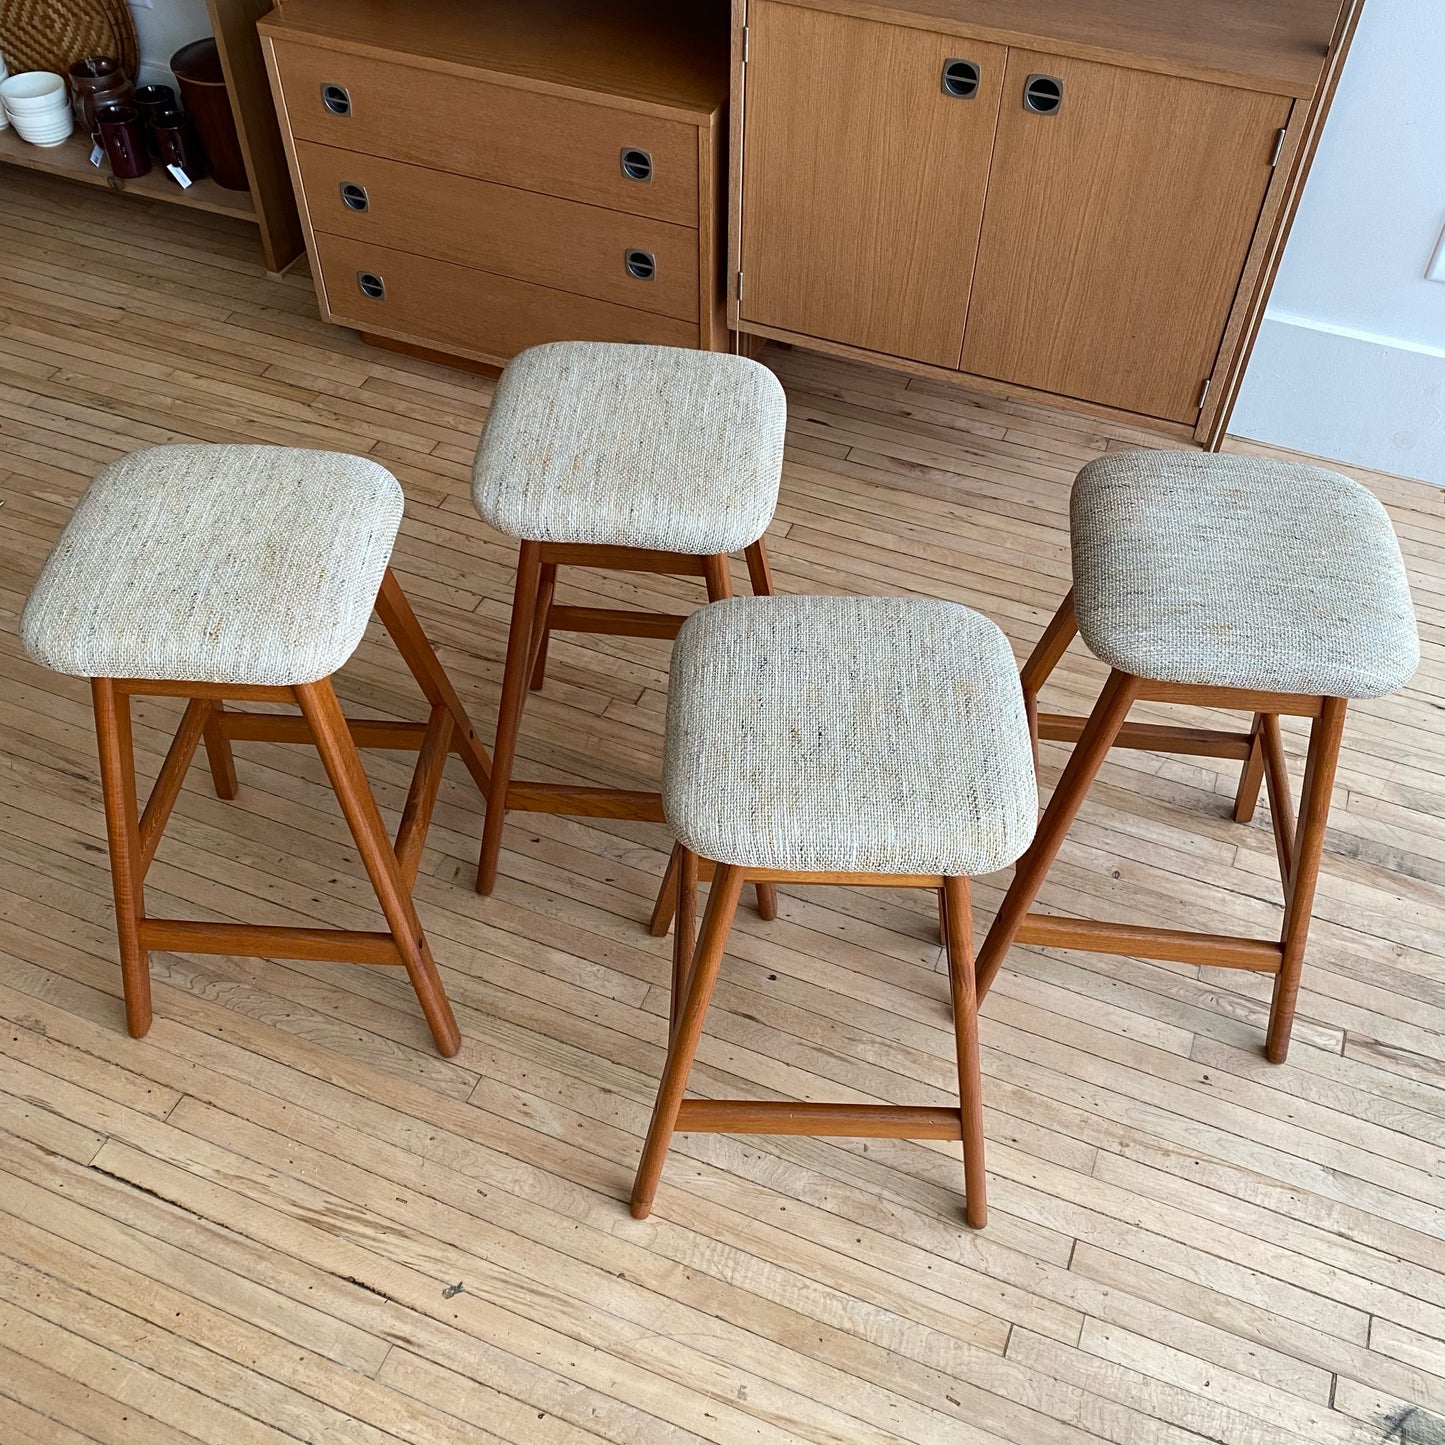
(371, 285)
(354, 197)
(960, 78)
(641, 265)
(636, 164)
(336, 99)
(1043, 94)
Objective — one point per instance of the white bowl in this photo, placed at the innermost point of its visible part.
(48, 132)
(33, 91)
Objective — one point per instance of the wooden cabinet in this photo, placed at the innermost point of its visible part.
(1117, 231)
(864, 183)
(478, 179)
(1094, 218)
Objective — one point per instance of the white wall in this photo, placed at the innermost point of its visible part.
(1350, 361)
(163, 27)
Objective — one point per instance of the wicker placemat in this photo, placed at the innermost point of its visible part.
(54, 34)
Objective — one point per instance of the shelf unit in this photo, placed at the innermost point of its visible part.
(72, 159)
(269, 204)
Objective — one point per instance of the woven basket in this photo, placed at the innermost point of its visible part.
(54, 34)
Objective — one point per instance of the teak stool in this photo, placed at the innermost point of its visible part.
(634, 458)
(246, 573)
(872, 741)
(1224, 582)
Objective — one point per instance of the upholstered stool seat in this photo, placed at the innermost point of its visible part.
(246, 564)
(1240, 572)
(630, 458)
(848, 734)
(248, 573)
(1271, 588)
(632, 446)
(879, 742)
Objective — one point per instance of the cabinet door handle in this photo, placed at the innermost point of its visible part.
(336, 99)
(960, 78)
(371, 285)
(636, 163)
(1043, 94)
(354, 197)
(641, 265)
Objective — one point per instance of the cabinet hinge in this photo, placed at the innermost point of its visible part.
(740, 285)
(1278, 147)
(1204, 392)
(745, 44)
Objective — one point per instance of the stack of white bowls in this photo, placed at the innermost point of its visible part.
(38, 106)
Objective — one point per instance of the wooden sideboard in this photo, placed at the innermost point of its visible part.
(1081, 199)
(475, 179)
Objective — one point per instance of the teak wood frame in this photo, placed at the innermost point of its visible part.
(134, 834)
(535, 616)
(694, 972)
(1298, 846)
(1281, 202)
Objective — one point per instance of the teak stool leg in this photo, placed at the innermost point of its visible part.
(722, 904)
(509, 716)
(122, 829)
(219, 756)
(343, 766)
(958, 930)
(546, 590)
(1045, 657)
(1309, 843)
(760, 574)
(662, 909)
(718, 577)
(420, 657)
(1084, 763)
(1252, 774)
(684, 938)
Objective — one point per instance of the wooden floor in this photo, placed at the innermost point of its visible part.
(281, 1216)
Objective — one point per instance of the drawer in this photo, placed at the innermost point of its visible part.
(531, 237)
(473, 313)
(490, 130)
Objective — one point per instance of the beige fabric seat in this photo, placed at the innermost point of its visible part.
(228, 564)
(1240, 572)
(632, 446)
(849, 734)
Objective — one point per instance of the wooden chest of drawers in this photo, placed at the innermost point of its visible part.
(475, 179)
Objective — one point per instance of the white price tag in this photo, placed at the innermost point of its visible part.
(98, 154)
(180, 176)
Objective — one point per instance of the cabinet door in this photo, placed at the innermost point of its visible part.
(863, 179)
(1116, 231)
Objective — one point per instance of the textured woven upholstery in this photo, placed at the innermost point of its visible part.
(632, 446)
(859, 734)
(255, 565)
(1240, 572)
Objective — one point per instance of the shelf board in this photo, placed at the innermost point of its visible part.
(72, 159)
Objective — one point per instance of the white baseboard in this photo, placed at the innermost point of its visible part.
(1330, 392)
